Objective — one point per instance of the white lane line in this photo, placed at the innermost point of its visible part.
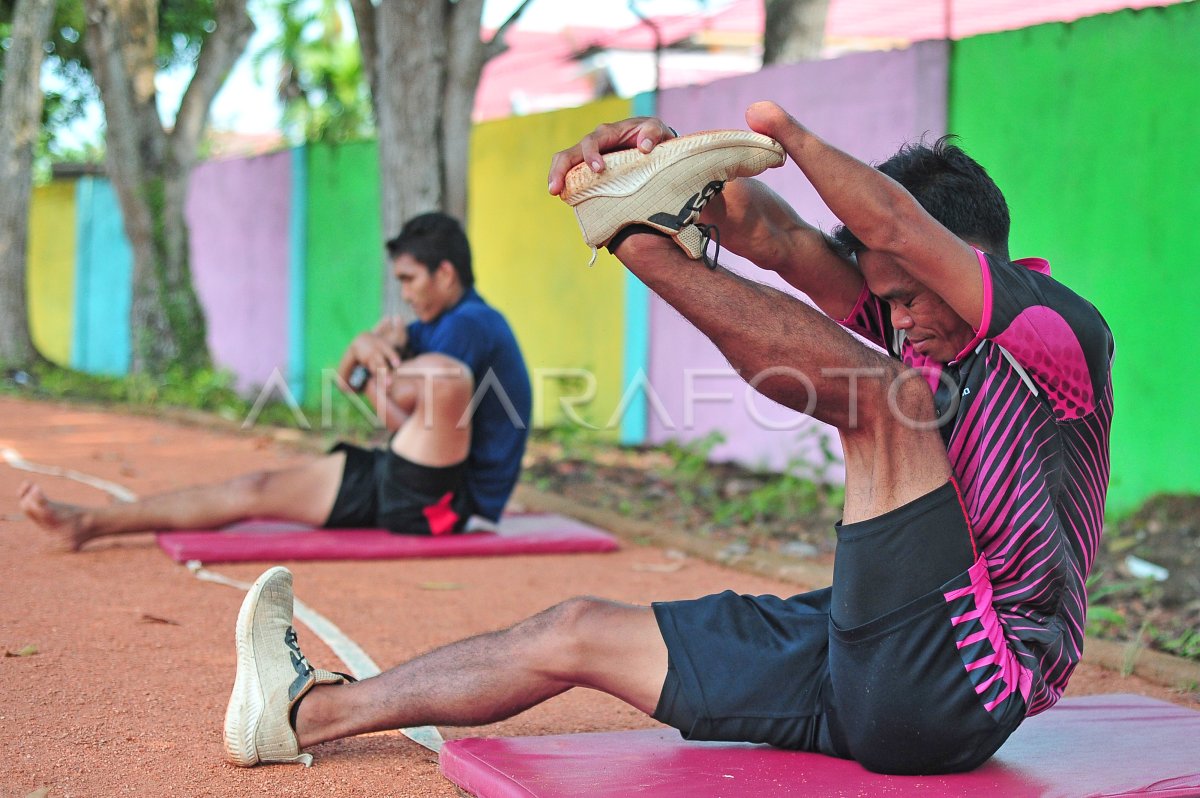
(14, 459)
(357, 661)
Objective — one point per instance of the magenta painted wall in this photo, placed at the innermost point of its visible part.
(239, 213)
(867, 104)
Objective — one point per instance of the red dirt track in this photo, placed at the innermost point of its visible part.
(135, 659)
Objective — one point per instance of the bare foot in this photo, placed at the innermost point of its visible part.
(68, 521)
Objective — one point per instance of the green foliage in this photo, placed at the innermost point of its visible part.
(183, 26)
(210, 391)
(1186, 644)
(206, 390)
(693, 480)
(805, 487)
(575, 442)
(1103, 621)
(321, 82)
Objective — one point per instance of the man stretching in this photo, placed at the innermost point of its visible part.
(452, 386)
(976, 454)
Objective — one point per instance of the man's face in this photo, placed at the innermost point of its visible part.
(932, 326)
(427, 293)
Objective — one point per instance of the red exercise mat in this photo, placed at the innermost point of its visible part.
(273, 541)
(1105, 745)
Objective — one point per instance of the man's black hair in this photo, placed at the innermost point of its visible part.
(953, 188)
(432, 238)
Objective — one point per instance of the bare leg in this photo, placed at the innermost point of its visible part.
(799, 357)
(435, 434)
(584, 642)
(304, 494)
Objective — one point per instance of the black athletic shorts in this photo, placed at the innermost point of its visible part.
(382, 489)
(868, 669)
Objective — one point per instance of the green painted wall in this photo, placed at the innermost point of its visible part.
(344, 256)
(1091, 129)
(531, 262)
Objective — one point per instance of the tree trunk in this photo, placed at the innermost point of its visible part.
(20, 122)
(150, 168)
(423, 60)
(794, 30)
(410, 83)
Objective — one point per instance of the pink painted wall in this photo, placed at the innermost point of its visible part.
(867, 104)
(239, 211)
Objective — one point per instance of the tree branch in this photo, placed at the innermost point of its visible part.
(364, 21)
(220, 52)
(496, 45)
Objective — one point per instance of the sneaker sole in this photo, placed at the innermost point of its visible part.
(247, 701)
(625, 171)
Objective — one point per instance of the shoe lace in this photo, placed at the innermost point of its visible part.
(299, 661)
(712, 235)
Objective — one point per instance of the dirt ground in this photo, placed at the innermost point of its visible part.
(118, 662)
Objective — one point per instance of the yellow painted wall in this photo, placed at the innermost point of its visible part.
(50, 279)
(531, 262)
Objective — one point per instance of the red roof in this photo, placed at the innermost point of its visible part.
(540, 71)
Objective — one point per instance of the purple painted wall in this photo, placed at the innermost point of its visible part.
(867, 104)
(239, 213)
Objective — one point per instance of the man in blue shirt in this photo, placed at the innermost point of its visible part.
(452, 386)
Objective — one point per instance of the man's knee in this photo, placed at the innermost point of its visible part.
(448, 383)
(570, 634)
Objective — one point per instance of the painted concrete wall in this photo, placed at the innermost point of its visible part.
(239, 215)
(1091, 130)
(344, 255)
(50, 280)
(1089, 127)
(104, 281)
(531, 263)
(867, 104)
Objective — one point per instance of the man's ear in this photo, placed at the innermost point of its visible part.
(446, 271)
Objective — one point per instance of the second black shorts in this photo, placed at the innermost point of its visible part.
(893, 692)
(381, 489)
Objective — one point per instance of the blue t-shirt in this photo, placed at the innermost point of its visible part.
(475, 333)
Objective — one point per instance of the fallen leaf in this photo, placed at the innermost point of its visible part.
(147, 618)
(440, 586)
(27, 651)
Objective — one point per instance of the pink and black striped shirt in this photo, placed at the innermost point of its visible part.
(1026, 410)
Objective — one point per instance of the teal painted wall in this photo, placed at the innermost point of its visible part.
(1091, 129)
(344, 255)
(103, 281)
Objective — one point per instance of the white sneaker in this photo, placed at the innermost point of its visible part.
(667, 187)
(272, 676)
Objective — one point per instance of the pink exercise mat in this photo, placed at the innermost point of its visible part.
(272, 541)
(1106, 745)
